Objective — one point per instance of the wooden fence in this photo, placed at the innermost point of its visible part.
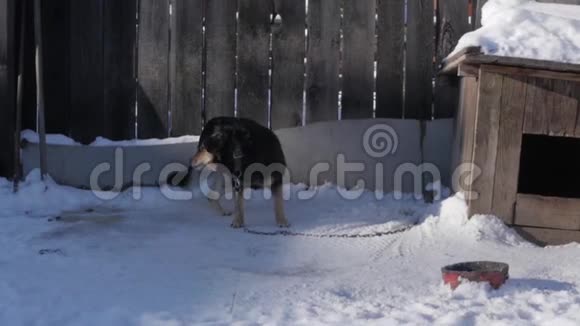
(158, 68)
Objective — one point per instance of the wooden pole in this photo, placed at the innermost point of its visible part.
(19, 91)
(40, 87)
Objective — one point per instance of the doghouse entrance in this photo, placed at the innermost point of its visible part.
(549, 166)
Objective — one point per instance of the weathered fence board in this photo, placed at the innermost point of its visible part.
(419, 63)
(390, 58)
(288, 51)
(153, 69)
(7, 85)
(253, 81)
(220, 52)
(56, 37)
(322, 67)
(119, 67)
(88, 117)
(452, 23)
(358, 56)
(186, 67)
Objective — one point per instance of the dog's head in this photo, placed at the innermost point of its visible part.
(211, 144)
(216, 141)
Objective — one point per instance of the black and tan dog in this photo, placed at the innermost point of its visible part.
(252, 157)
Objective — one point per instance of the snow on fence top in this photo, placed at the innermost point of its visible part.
(527, 29)
(57, 139)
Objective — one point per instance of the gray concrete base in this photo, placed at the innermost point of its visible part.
(316, 146)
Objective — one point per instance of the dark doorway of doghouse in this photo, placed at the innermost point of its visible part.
(549, 166)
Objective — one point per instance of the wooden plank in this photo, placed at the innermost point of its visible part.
(486, 140)
(56, 35)
(119, 68)
(220, 40)
(539, 105)
(322, 67)
(565, 110)
(543, 236)
(505, 188)
(531, 72)
(452, 23)
(253, 60)
(551, 212)
(419, 63)
(87, 116)
(7, 85)
(473, 55)
(153, 69)
(288, 52)
(358, 55)
(390, 58)
(463, 132)
(186, 67)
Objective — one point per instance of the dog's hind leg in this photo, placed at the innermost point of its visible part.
(238, 221)
(277, 193)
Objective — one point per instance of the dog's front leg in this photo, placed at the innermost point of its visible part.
(238, 221)
(277, 193)
(214, 198)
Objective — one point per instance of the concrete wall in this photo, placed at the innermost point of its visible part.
(305, 148)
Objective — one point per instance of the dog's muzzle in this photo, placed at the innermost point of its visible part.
(202, 159)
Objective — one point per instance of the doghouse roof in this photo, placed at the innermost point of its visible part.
(464, 62)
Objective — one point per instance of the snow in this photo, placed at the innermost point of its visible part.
(151, 261)
(527, 29)
(58, 139)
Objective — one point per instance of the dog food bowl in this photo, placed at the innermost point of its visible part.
(491, 272)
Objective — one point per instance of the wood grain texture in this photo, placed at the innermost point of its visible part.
(88, 118)
(565, 110)
(473, 55)
(539, 105)
(288, 52)
(56, 57)
(551, 212)
(530, 72)
(153, 69)
(220, 42)
(452, 23)
(463, 133)
(7, 85)
(322, 84)
(505, 187)
(390, 58)
(419, 64)
(119, 68)
(253, 51)
(358, 55)
(543, 236)
(486, 140)
(186, 67)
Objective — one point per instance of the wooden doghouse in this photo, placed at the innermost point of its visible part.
(518, 123)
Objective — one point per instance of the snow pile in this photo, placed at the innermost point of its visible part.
(151, 261)
(527, 29)
(58, 139)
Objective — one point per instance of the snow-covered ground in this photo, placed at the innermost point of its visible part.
(159, 262)
(527, 29)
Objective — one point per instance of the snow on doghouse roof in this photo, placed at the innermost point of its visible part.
(527, 29)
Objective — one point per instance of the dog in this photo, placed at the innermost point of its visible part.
(247, 153)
